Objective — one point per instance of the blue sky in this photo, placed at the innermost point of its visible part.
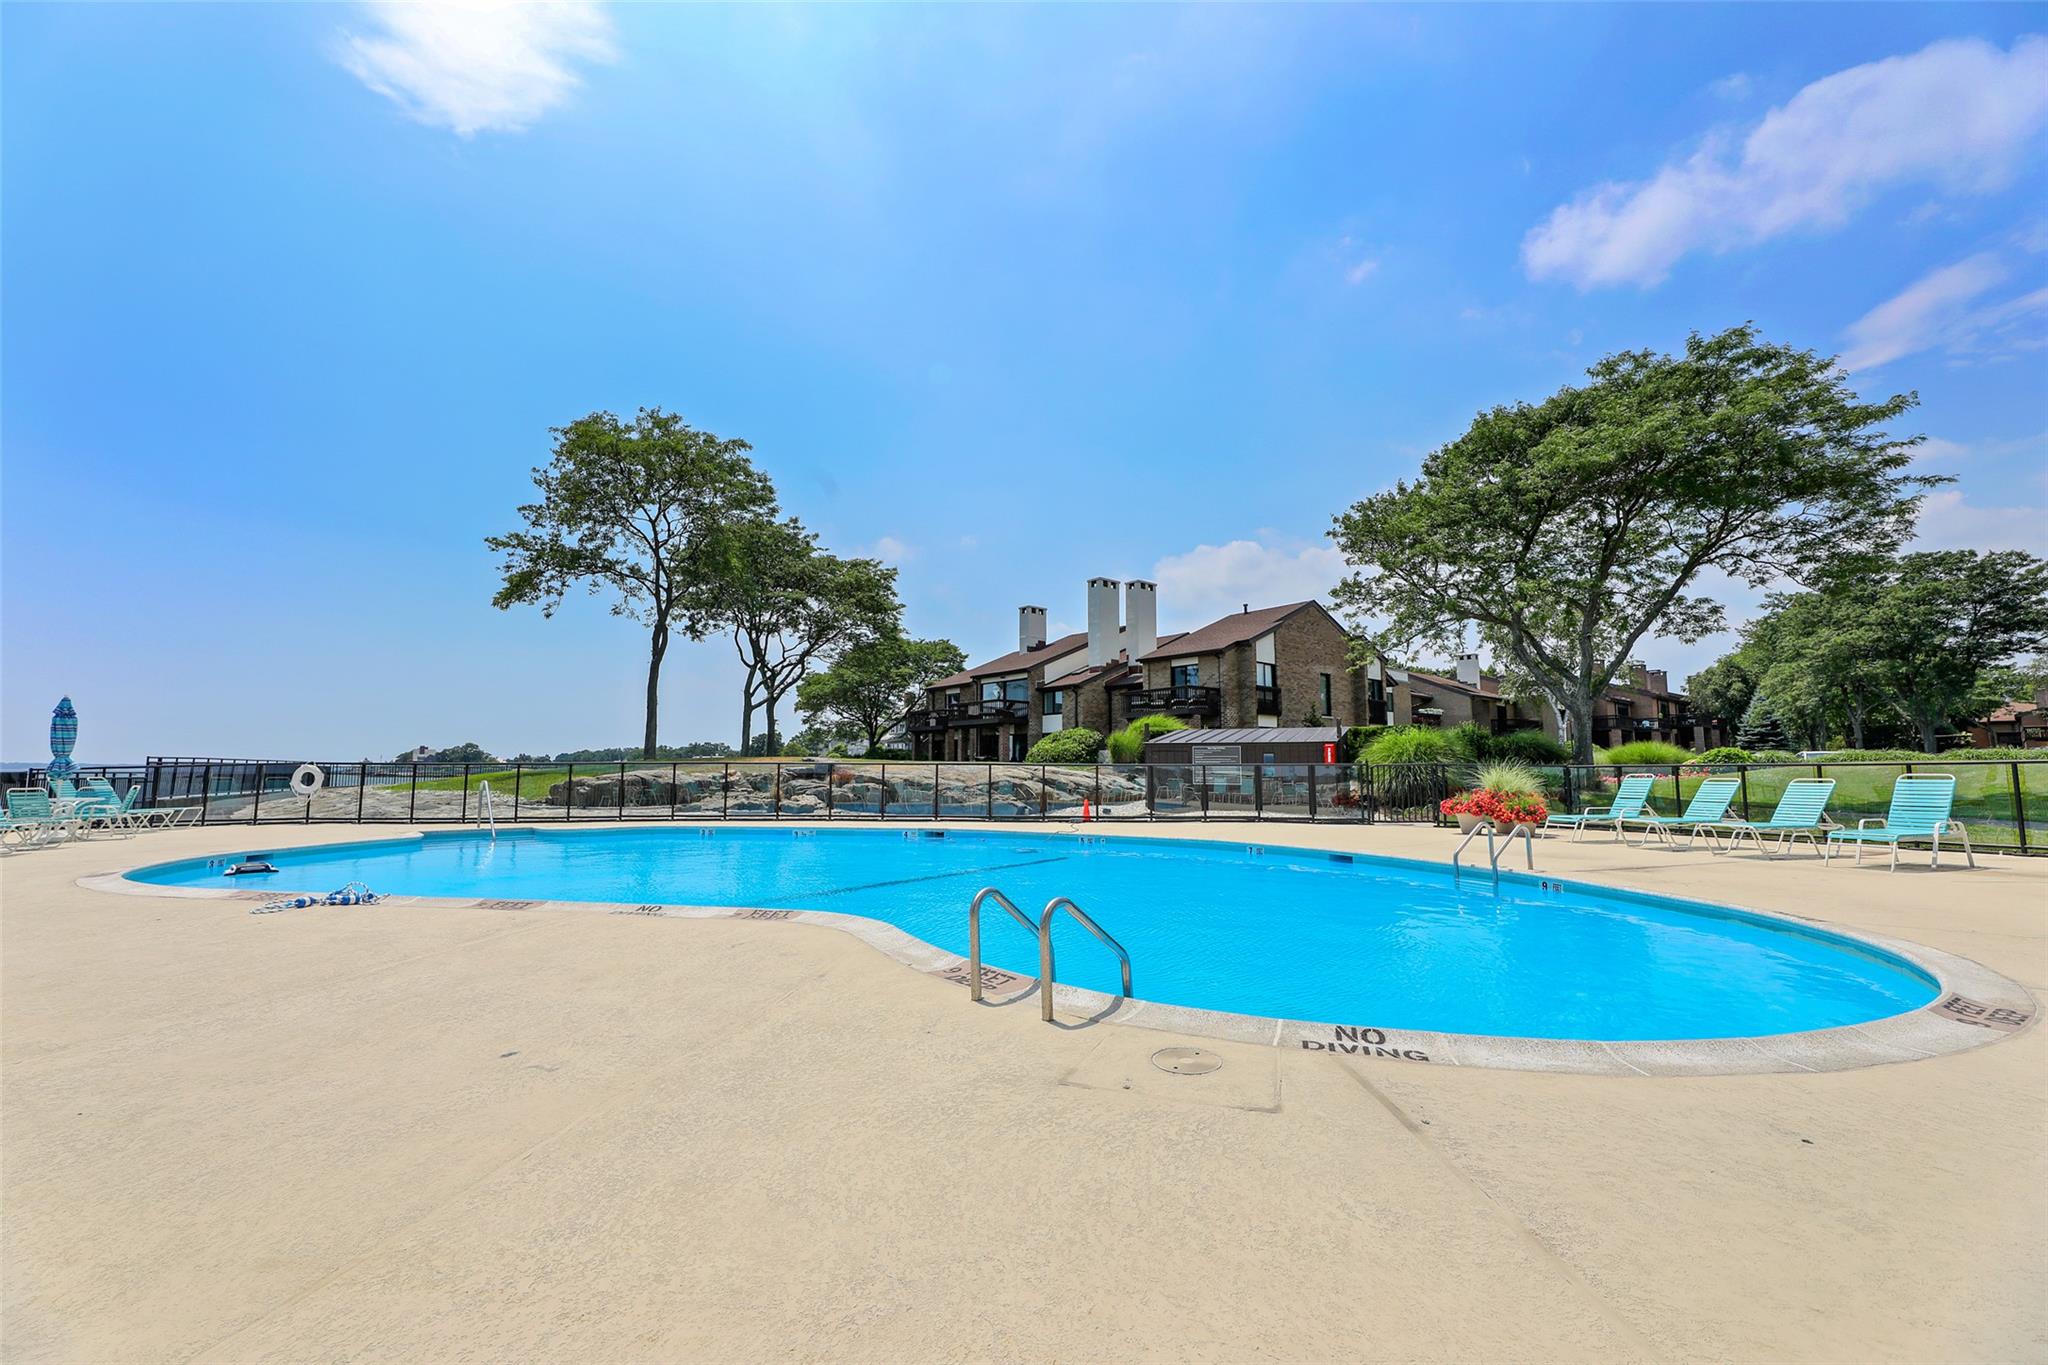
(293, 293)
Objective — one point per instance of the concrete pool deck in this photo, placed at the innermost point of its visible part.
(406, 1132)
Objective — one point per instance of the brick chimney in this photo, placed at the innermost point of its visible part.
(1030, 627)
(1102, 620)
(1638, 674)
(1660, 679)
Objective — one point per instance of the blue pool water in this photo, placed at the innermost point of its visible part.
(1290, 934)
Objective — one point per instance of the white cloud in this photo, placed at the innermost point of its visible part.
(1361, 272)
(892, 550)
(1949, 521)
(1732, 87)
(1957, 114)
(1939, 450)
(477, 67)
(1942, 308)
(1214, 580)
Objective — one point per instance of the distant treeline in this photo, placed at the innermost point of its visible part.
(476, 753)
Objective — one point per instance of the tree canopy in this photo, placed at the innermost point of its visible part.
(1564, 530)
(1920, 644)
(869, 687)
(788, 604)
(626, 507)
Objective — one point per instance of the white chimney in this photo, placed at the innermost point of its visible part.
(1141, 617)
(1468, 669)
(1102, 621)
(1030, 627)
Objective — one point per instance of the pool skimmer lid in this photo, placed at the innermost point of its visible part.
(1186, 1061)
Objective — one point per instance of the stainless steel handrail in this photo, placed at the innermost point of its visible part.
(487, 809)
(1045, 971)
(1493, 854)
(974, 933)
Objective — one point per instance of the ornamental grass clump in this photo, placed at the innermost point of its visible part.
(1505, 793)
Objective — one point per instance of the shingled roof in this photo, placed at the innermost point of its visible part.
(1230, 630)
(1017, 660)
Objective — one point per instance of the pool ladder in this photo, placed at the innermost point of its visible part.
(1493, 854)
(486, 812)
(1042, 931)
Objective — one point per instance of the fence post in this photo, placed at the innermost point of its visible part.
(774, 793)
(672, 790)
(1041, 791)
(205, 791)
(1202, 783)
(518, 786)
(569, 793)
(362, 788)
(1097, 791)
(725, 791)
(831, 771)
(1742, 772)
(256, 811)
(990, 791)
(412, 803)
(1258, 791)
(2019, 807)
(622, 791)
(935, 791)
(1312, 790)
(463, 817)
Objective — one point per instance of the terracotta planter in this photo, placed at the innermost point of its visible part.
(1468, 823)
(1519, 826)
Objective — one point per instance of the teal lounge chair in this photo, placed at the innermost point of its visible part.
(1709, 805)
(1921, 803)
(1629, 799)
(30, 806)
(99, 808)
(1802, 813)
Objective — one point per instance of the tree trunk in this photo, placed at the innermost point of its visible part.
(1855, 726)
(768, 719)
(1930, 735)
(658, 648)
(1579, 710)
(747, 713)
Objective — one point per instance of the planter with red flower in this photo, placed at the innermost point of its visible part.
(1507, 796)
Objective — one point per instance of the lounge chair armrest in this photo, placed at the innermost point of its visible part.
(1867, 821)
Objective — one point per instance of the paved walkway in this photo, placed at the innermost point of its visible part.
(411, 1133)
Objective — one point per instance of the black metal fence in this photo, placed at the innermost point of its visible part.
(2003, 803)
(249, 791)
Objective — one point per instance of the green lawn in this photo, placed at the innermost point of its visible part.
(1984, 796)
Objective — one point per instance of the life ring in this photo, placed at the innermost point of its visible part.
(307, 779)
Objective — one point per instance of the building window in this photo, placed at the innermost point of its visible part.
(1055, 704)
(1187, 675)
(1327, 709)
(1266, 696)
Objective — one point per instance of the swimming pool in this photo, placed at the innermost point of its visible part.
(1248, 929)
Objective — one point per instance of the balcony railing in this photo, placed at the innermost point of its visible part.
(1186, 699)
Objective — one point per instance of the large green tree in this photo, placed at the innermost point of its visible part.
(1565, 530)
(626, 507)
(789, 605)
(869, 687)
(1947, 625)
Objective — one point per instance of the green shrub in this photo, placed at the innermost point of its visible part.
(1469, 741)
(1505, 777)
(1727, 753)
(1078, 744)
(1773, 756)
(1356, 740)
(1652, 751)
(1529, 746)
(1919, 756)
(1128, 744)
(1411, 744)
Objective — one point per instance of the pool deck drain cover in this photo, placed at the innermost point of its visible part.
(1186, 1061)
